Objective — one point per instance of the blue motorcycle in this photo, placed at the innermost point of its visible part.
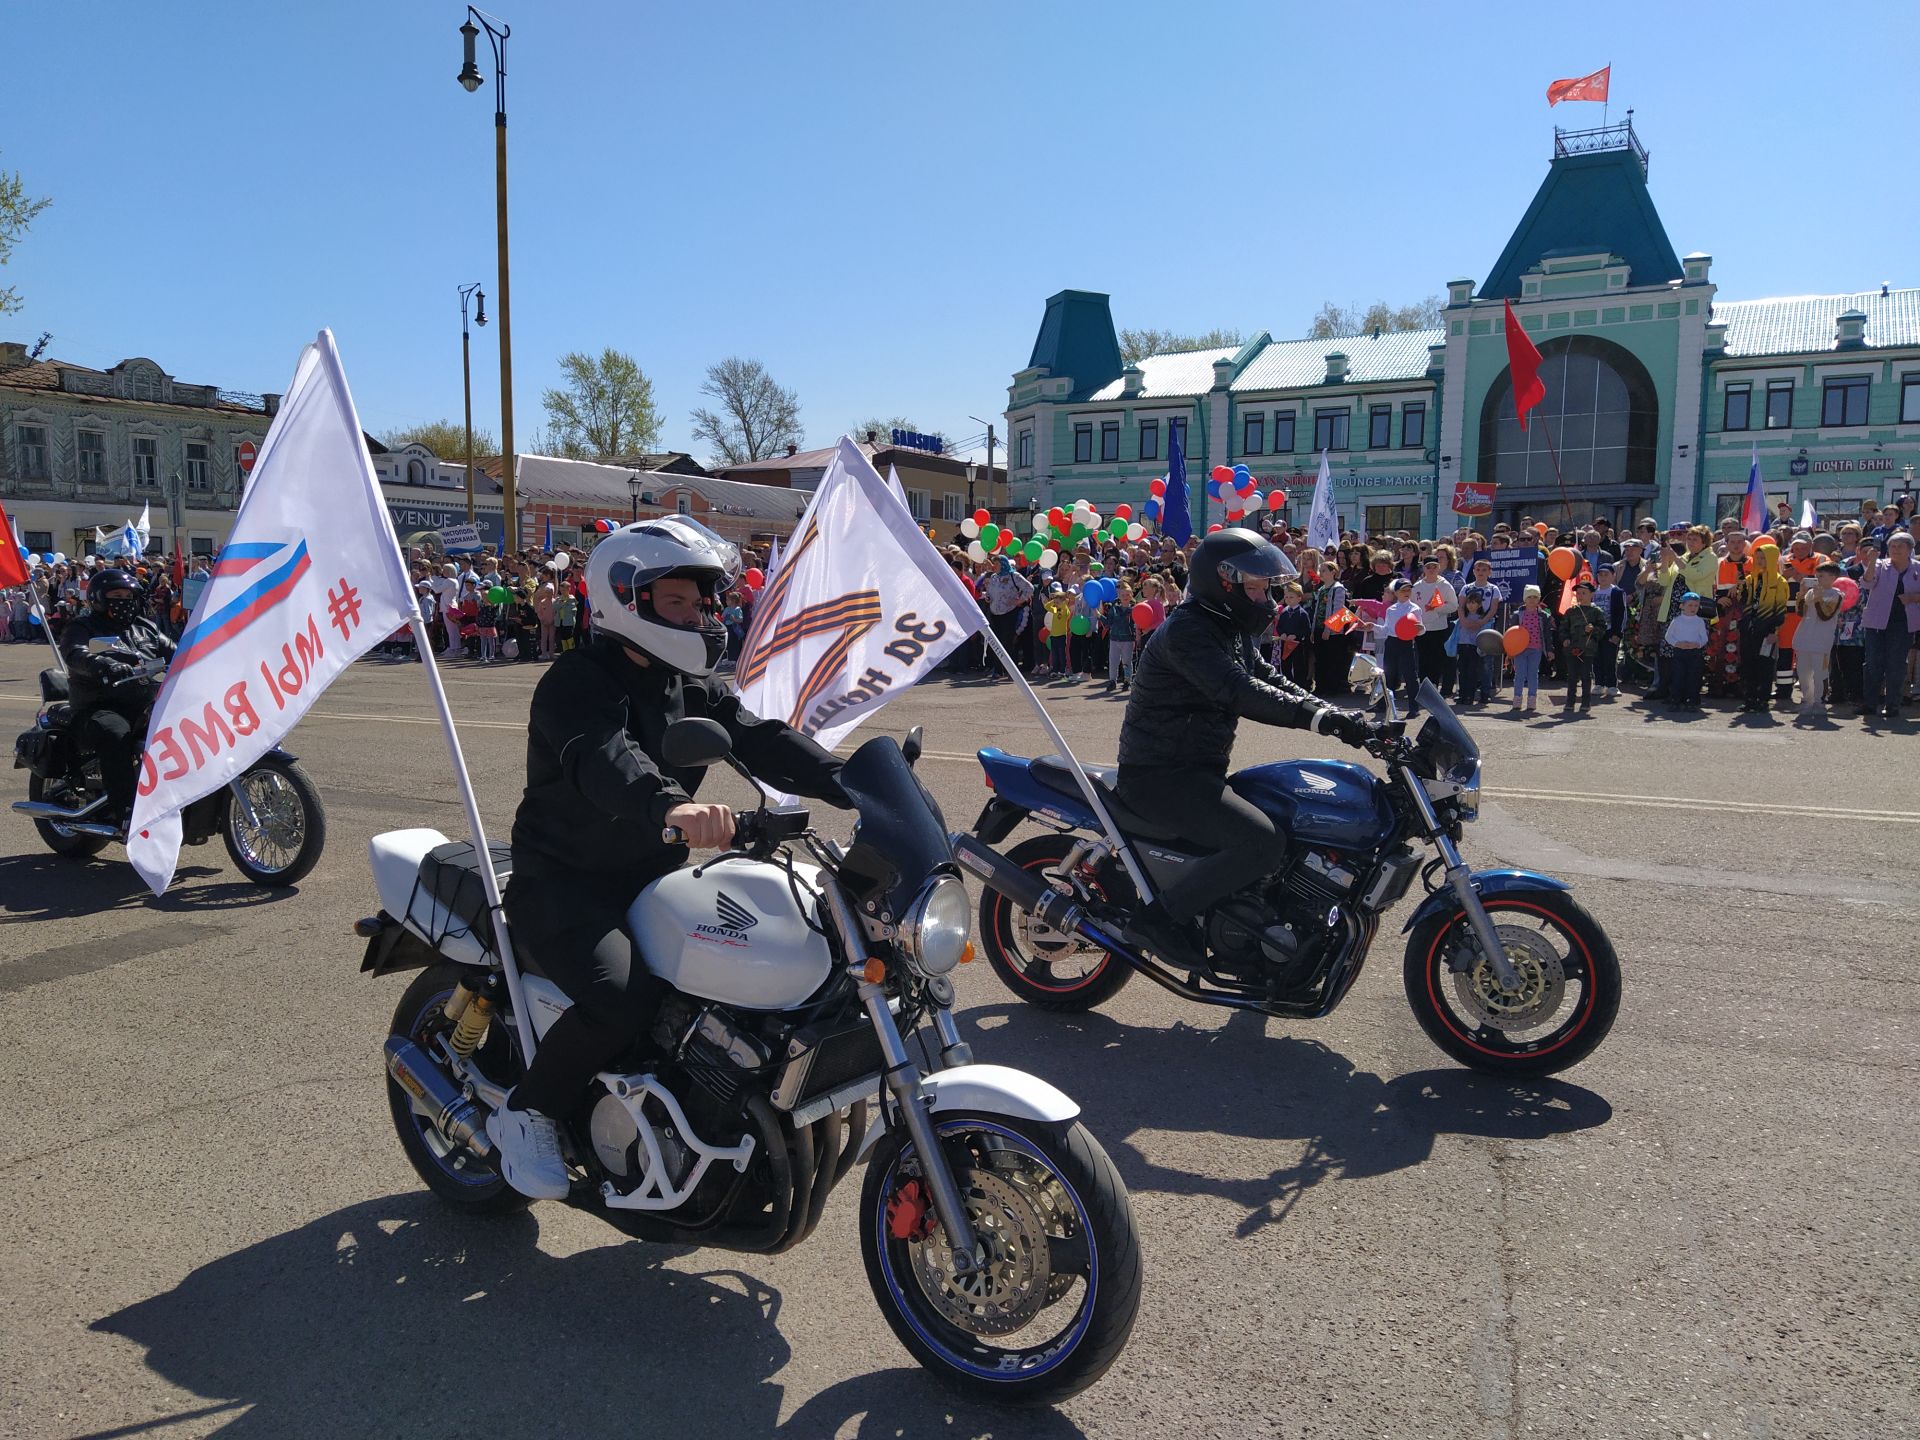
(1505, 971)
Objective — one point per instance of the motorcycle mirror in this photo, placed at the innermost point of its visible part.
(1362, 673)
(693, 743)
(912, 745)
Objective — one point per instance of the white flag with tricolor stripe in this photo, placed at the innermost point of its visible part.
(311, 580)
(860, 608)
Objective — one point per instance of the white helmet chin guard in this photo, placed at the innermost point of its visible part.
(621, 574)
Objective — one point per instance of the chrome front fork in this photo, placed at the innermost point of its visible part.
(1460, 878)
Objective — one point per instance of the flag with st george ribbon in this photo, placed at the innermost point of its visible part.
(311, 580)
(860, 608)
(1176, 506)
(1323, 520)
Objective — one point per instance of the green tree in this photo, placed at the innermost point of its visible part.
(1136, 345)
(1332, 322)
(445, 438)
(606, 408)
(17, 210)
(755, 417)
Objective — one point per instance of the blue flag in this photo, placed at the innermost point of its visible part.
(1176, 519)
(548, 544)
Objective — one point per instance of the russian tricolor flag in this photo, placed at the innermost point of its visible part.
(1753, 510)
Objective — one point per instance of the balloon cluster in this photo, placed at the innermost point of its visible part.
(605, 527)
(1053, 531)
(1156, 499)
(1234, 486)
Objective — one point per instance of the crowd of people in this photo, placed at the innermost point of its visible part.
(1668, 616)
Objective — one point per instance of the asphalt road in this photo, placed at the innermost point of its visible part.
(1706, 1229)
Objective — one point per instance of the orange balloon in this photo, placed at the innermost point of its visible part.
(1563, 562)
(1541, 526)
(1515, 640)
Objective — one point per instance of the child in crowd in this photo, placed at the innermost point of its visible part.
(487, 625)
(1401, 656)
(1290, 631)
(1583, 630)
(1476, 670)
(1848, 659)
(1120, 638)
(1610, 601)
(1526, 665)
(1687, 639)
(1819, 608)
(1059, 617)
(566, 613)
(734, 617)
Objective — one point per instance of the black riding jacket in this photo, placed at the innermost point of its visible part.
(90, 676)
(1196, 677)
(598, 792)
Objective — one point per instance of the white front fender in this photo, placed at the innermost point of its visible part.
(988, 1090)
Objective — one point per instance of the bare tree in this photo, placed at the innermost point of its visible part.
(17, 210)
(606, 409)
(1136, 345)
(755, 418)
(1332, 322)
(445, 438)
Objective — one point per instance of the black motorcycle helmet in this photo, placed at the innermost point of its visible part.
(123, 610)
(1222, 562)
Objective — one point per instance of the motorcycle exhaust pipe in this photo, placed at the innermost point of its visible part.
(435, 1096)
(71, 819)
(1023, 887)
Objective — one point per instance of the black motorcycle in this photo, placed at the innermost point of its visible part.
(270, 817)
(1505, 972)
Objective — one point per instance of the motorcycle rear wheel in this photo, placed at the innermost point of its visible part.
(454, 1173)
(1023, 1182)
(58, 838)
(1045, 970)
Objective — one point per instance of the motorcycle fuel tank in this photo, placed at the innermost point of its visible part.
(732, 932)
(1321, 802)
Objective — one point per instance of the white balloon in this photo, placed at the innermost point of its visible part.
(562, 560)
(976, 551)
(970, 527)
(1135, 531)
(59, 558)
(34, 562)
(1040, 523)
(1049, 559)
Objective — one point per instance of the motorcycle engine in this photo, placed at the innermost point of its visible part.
(616, 1141)
(1249, 939)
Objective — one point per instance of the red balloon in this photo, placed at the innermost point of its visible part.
(1407, 627)
(1057, 518)
(981, 517)
(755, 577)
(1276, 499)
(1123, 512)
(1156, 488)
(1212, 528)
(1223, 473)
(1009, 540)
(1142, 616)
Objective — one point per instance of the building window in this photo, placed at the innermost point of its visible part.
(1602, 411)
(198, 476)
(38, 542)
(1910, 399)
(1110, 440)
(920, 503)
(1844, 401)
(1083, 444)
(1177, 435)
(203, 545)
(32, 441)
(1149, 439)
(683, 504)
(146, 460)
(1254, 435)
(1727, 506)
(1283, 432)
(1384, 518)
(1330, 429)
(1025, 451)
(1379, 427)
(91, 446)
(1738, 411)
(1413, 427)
(1779, 404)
(953, 506)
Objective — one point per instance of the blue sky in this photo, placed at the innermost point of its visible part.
(876, 200)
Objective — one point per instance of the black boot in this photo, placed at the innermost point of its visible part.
(1177, 942)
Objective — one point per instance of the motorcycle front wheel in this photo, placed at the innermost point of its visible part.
(1566, 1001)
(1056, 1285)
(276, 838)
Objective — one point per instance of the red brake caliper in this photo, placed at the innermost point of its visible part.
(909, 1213)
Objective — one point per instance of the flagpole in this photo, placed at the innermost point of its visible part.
(1120, 845)
(33, 599)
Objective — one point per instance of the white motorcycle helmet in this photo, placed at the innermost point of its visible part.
(620, 576)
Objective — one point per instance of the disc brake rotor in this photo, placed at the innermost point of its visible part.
(1009, 1283)
(1042, 941)
(1542, 982)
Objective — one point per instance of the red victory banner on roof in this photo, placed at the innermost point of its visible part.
(1587, 87)
(1470, 498)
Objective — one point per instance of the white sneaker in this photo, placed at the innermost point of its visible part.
(528, 1153)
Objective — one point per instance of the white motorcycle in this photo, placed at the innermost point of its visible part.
(997, 1237)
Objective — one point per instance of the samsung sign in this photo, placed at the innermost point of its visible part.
(914, 440)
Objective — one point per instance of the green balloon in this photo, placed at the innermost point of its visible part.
(989, 537)
(1033, 551)
(1118, 529)
(1076, 535)
(1097, 567)
(1079, 625)
(498, 595)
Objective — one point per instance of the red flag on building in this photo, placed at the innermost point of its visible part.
(1587, 87)
(1528, 388)
(13, 565)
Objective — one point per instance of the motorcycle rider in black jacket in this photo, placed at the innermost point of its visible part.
(589, 834)
(1198, 675)
(103, 648)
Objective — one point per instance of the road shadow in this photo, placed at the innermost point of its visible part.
(1343, 1123)
(45, 886)
(399, 1317)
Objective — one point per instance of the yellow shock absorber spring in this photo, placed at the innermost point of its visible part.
(472, 1026)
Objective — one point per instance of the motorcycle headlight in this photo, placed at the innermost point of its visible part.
(1468, 800)
(936, 926)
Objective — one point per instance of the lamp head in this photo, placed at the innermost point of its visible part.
(470, 76)
(481, 296)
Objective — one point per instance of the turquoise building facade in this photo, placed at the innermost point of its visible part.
(1659, 394)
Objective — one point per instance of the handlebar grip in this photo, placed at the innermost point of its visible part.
(672, 835)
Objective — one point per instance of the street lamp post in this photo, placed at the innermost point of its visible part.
(471, 78)
(633, 488)
(466, 378)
